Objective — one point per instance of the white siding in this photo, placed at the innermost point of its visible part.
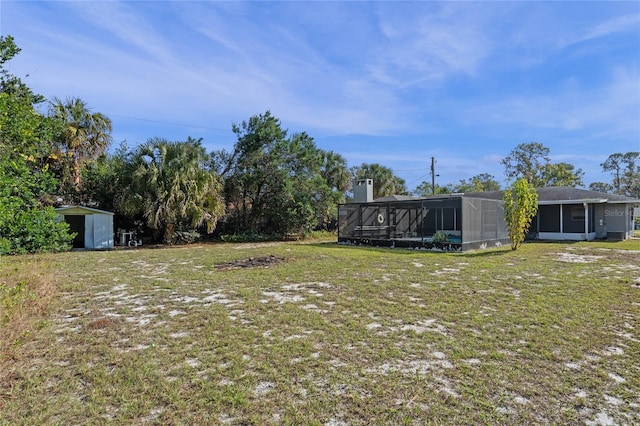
(102, 231)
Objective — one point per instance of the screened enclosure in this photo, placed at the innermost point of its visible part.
(447, 223)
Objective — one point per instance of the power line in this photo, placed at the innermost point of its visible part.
(415, 180)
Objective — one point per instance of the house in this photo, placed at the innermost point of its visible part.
(566, 213)
(452, 222)
(460, 222)
(94, 228)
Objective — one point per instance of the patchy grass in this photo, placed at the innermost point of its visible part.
(27, 289)
(335, 335)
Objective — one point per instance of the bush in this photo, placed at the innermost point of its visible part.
(34, 230)
(244, 237)
(440, 237)
(185, 237)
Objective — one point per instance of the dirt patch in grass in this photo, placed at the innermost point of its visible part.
(251, 262)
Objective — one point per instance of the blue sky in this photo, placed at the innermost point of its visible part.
(393, 83)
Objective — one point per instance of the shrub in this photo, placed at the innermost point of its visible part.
(440, 237)
(185, 237)
(34, 230)
(243, 237)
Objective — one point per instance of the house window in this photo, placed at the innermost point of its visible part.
(577, 213)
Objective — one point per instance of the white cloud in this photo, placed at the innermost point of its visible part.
(612, 109)
(619, 24)
(127, 23)
(428, 46)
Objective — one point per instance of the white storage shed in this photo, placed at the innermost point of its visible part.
(94, 228)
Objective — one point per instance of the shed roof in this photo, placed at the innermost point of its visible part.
(81, 210)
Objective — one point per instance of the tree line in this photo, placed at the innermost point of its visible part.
(271, 183)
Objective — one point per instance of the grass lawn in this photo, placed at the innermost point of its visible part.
(329, 335)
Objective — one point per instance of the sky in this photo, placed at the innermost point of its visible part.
(393, 83)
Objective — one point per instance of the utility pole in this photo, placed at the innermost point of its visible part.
(433, 176)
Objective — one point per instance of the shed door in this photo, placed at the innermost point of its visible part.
(76, 224)
(102, 231)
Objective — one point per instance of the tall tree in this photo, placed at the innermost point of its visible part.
(250, 172)
(27, 221)
(525, 161)
(531, 161)
(276, 184)
(604, 187)
(85, 136)
(335, 172)
(520, 206)
(9, 83)
(104, 180)
(425, 189)
(384, 181)
(336, 176)
(625, 169)
(561, 174)
(478, 183)
(171, 187)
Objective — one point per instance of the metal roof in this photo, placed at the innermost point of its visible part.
(397, 198)
(80, 210)
(564, 195)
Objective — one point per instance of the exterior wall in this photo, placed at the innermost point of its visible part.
(363, 191)
(618, 219)
(98, 232)
(557, 236)
(601, 225)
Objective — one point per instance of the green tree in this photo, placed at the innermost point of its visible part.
(337, 179)
(478, 183)
(23, 131)
(604, 187)
(250, 172)
(27, 223)
(520, 206)
(625, 169)
(275, 184)
(561, 174)
(384, 181)
(85, 136)
(171, 188)
(425, 189)
(10, 83)
(103, 180)
(531, 161)
(335, 172)
(525, 161)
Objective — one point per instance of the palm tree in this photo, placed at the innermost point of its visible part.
(384, 181)
(170, 185)
(335, 172)
(85, 135)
